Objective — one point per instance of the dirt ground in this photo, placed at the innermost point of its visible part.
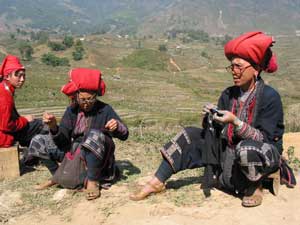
(115, 208)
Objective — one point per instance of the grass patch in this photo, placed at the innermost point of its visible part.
(147, 59)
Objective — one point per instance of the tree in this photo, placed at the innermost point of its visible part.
(79, 46)
(139, 46)
(41, 36)
(199, 35)
(12, 36)
(226, 39)
(162, 48)
(204, 54)
(26, 50)
(77, 55)
(79, 51)
(68, 41)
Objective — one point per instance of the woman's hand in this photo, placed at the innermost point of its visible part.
(227, 117)
(208, 107)
(50, 120)
(222, 116)
(111, 125)
(29, 118)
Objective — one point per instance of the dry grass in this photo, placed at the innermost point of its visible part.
(154, 105)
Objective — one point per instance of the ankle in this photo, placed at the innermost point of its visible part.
(155, 182)
(92, 184)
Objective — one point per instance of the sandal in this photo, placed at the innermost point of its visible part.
(252, 201)
(255, 199)
(142, 194)
(93, 193)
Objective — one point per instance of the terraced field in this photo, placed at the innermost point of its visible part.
(154, 105)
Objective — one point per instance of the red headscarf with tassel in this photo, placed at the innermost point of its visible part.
(254, 47)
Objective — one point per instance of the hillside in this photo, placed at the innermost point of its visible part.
(182, 204)
(155, 99)
(151, 17)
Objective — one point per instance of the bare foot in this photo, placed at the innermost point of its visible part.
(92, 190)
(153, 186)
(45, 185)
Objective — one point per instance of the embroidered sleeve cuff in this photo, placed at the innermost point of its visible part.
(245, 131)
(122, 129)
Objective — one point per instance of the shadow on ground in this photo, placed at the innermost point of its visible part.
(127, 169)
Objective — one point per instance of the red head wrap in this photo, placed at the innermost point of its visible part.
(84, 79)
(255, 48)
(10, 64)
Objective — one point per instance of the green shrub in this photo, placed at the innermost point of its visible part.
(56, 46)
(52, 60)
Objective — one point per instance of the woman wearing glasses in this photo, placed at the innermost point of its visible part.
(249, 120)
(87, 123)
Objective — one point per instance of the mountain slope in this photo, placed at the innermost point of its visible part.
(151, 17)
(227, 16)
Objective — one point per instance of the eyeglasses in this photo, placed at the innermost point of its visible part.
(90, 100)
(236, 68)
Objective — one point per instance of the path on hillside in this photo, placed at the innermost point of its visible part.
(3, 50)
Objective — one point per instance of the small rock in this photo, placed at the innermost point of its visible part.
(59, 195)
(10, 199)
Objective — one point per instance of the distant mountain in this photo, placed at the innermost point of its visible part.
(227, 16)
(154, 17)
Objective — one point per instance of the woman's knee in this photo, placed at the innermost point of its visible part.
(248, 151)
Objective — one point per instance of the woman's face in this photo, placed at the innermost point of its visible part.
(86, 100)
(17, 78)
(243, 73)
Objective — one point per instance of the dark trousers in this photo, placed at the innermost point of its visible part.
(56, 156)
(33, 128)
(251, 159)
(96, 165)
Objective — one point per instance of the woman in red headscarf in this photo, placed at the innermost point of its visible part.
(14, 127)
(88, 124)
(241, 142)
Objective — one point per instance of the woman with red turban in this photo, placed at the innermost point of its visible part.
(14, 127)
(244, 131)
(89, 125)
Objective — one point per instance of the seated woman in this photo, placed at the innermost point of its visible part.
(88, 123)
(248, 119)
(14, 127)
